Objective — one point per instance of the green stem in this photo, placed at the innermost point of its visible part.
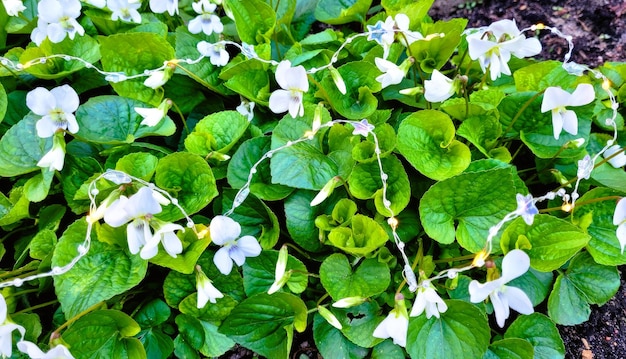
(35, 307)
(520, 111)
(580, 203)
(182, 117)
(78, 316)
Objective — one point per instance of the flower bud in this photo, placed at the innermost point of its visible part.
(330, 317)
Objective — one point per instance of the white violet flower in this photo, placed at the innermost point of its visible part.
(396, 324)
(153, 116)
(56, 107)
(280, 275)
(161, 6)
(206, 290)
(164, 234)
(33, 351)
(246, 108)
(124, 10)
(514, 264)
(57, 19)
(294, 84)
(494, 45)
(13, 7)
(526, 207)
(402, 23)
(383, 33)
(619, 220)
(159, 78)
(556, 99)
(6, 330)
(140, 209)
(619, 160)
(392, 74)
(225, 232)
(216, 53)
(206, 21)
(428, 300)
(54, 159)
(439, 88)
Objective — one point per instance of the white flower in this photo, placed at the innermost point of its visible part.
(428, 300)
(139, 209)
(619, 160)
(206, 290)
(207, 21)
(33, 351)
(439, 88)
(526, 207)
(57, 18)
(97, 3)
(152, 116)
(514, 264)
(164, 234)
(556, 99)
(395, 325)
(13, 7)
(280, 277)
(124, 10)
(6, 330)
(158, 79)
(225, 232)
(392, 73)
(161, 6)
(56, 108)
(362, 128)
(494, 45)
(619, 220)
(348, 302)
(402, 23)
(383, 33)
(246, 108)
(55, 158)
(216, 53)
(330, 317)
(294, 84)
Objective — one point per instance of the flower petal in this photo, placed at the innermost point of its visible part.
(40, 101)
(554, 97)
(249, 246)
(619, 216)
(66, 98)
(583, 95)
(518, 300)
(222, 261)
(500, 307)
(570, 122)
(224, 229)
(280, 101)
(514, 264)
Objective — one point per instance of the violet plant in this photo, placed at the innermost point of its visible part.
(182, 177)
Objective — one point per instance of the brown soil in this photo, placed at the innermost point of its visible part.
(598, 29)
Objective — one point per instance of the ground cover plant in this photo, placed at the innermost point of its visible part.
(185, 177)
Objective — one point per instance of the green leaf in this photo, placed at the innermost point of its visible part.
(364, 236)
(426, 140)
(112, 120)
(342, 12)
(153, 313)
(256, 218)
(460, 332)
(365, 182)
(264, 323)
(239, 166)
(212, 312)
(104, 333)
(300, 218)
(341, 281)
(435, 53)
(528, 78)
(139, 164)
(512, 348)
(190, 330)
(585, 282)
(156, 343)
(535, 284)
(358, 323)
(254, 19)
(259, 273)
(4, 102)
(332, 344)
(553, 241)
(603, 246)
(189, 179)
(387, 349)
(216, 132)
(302, 165)
(418, 9)
(37, 187)
(132, 54)
(477, 201)
(83, 47)
(31, 322)
(42, 244)
(250, 79)
(193, 247)
(105, 271)
(215, 343)
(360, 80)
(482, 131)
(541, 332)
(365, 151)
(21, 148)
(14, 208)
